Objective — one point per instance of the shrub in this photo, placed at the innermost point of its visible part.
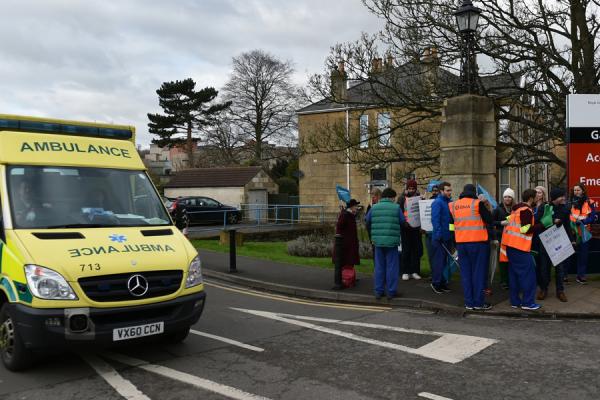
(321, 246)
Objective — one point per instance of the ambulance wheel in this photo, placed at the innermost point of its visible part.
(15, 356)
(177, 337)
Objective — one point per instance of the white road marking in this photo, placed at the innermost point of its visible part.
(124, 387)
(193, 380)
(449, 347)
(226, 340)
(432, 396)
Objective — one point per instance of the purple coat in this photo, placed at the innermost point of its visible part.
(346, 226)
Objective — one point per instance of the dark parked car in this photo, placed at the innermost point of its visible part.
(199, 210)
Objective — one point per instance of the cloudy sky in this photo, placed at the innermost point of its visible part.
(103, 60)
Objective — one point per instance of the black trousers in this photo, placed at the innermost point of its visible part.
(412, 251)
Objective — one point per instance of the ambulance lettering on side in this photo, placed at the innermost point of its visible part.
(88, 252)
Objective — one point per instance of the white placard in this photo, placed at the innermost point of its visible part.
(557, 244)
(412, 207)
(425, 214)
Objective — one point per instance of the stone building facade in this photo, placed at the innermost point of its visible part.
(350, 115)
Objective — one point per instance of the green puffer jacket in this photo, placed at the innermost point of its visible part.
(385, 224)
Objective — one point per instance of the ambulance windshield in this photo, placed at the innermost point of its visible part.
(74, 197)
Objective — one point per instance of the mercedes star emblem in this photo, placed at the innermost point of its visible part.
(137, 285)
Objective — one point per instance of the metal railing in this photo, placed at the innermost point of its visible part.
(257, 215)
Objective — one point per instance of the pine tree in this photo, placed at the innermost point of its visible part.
(187, 113)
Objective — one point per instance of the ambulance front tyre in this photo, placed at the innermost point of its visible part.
(15, 356)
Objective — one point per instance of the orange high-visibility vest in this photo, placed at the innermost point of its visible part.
(512, 236)
(468, 225)
(585, 211)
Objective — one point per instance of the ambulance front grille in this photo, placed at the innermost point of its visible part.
(106, 288)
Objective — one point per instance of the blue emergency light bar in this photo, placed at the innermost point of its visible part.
(64, 128)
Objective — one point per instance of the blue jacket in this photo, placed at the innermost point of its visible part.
(440, 219)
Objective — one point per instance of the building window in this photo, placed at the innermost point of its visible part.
(364, 131)
(503, 181)
(379, 174)
(383, 128)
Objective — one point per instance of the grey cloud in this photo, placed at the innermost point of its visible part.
(104, 60)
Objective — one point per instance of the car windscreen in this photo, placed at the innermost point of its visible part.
(72, 197)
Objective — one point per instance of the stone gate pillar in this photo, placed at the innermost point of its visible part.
(468, 143)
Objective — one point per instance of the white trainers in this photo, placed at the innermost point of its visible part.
(404, 277)
(416, 276)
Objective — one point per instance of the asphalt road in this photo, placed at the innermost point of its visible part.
(262, 346)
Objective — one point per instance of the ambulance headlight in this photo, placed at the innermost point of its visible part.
(194, 276)
(47, 284)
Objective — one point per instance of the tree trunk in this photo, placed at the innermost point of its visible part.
(190, 146)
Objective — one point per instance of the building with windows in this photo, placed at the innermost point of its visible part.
(365, 130)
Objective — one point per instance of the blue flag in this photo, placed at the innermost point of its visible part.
(481, 190)
(432, 183)
(343, 193)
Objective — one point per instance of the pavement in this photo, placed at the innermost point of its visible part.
(315, 283)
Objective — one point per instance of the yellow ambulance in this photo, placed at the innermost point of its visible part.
(88, 252)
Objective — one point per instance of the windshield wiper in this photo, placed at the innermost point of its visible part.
(79, 226)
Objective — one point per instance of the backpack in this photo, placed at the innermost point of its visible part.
(348, 276)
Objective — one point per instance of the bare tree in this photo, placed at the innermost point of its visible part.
(532, 54)
(263, 98)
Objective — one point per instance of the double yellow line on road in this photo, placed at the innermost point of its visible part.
(287, 299)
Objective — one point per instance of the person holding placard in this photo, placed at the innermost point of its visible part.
(470, 218)
(582, 215)
(412, 245)
(435, 192)
(517, 238)
(560, 217)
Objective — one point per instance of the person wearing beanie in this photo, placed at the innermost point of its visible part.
(412, 245)
(499, 216)
(470, 218)
(385, 220)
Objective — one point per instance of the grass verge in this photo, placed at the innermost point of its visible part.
(277, 251)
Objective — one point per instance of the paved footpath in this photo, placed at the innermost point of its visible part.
(314, 282)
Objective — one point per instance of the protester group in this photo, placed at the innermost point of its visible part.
(471, 235)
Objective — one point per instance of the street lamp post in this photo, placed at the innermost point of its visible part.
(467, 17)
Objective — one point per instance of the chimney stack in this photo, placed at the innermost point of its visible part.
(430, 64)
(339, 89)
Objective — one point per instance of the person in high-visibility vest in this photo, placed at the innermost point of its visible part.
(499, 214)
(412, 244)
(470, 218)
(517, 238)
(583, 212)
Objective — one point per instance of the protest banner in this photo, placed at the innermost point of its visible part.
(425, 214)
(557, 244)
(412, 208)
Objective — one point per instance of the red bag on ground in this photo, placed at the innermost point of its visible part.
(348, 276)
